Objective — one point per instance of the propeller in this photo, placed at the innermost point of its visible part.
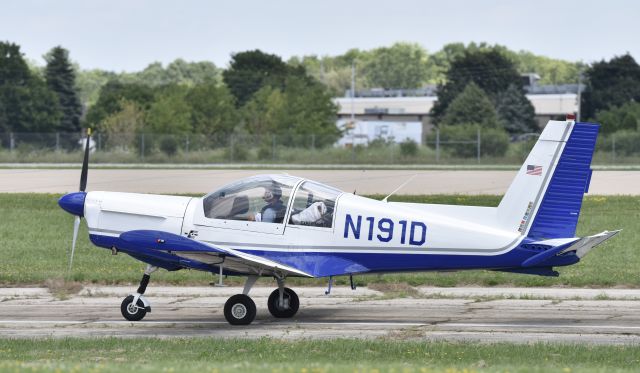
(83, 187)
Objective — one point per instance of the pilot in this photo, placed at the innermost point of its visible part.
(273, 211)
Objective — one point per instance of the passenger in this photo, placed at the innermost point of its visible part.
(312, 215)
(273, 211)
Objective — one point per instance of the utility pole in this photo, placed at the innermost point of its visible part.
(353, 89)
(579, 95)
(353, 113)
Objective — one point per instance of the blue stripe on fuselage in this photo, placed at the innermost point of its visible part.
(322, 264)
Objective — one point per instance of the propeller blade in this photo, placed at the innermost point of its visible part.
(85, 163)
(76, 225)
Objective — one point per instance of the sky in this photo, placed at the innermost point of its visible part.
(127, 35)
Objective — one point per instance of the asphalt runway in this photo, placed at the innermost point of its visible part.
(471, 314)
(168, 181)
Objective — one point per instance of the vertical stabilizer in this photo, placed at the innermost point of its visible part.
(545, 198)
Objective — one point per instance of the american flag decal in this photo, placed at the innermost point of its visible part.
(534, 170)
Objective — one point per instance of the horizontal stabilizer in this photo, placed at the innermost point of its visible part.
(560, 246)
(186, 247)
(547, 254)
(585, 244)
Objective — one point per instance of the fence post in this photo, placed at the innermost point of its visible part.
(273, 147)
(478, 142)
(613, 147)
(437, 145)
(142, 146)
(57, 141)
(12, 142)
(186, 150)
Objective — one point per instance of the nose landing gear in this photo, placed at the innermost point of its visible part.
(135, 306)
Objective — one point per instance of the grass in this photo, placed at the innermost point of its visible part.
(35, 239)
(270, 355)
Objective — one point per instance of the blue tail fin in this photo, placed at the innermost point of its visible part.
(559, 211)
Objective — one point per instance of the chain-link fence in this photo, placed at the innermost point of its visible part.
(480, 146)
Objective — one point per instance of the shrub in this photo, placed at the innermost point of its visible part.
(408, 148)
(168, 144)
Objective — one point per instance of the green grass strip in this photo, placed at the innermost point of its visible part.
(340, 355)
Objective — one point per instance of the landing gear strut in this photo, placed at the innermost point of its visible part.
(135, 306)
(283, 302)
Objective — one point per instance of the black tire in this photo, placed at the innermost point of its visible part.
(284, 313)
(130, 312)
(240, 310)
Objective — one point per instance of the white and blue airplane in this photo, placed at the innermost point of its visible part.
(283, 226)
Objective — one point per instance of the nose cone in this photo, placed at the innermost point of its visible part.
(73, 203)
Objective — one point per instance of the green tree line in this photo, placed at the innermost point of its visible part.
(259, 94)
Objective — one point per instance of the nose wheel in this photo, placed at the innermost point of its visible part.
(133, 309)
(135, 306)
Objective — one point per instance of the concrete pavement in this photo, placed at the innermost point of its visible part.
(171, 181)
(593, 316)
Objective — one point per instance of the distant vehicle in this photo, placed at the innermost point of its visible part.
(283, 226)
(365, 132)
(82, 143)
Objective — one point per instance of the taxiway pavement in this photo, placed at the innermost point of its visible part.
(171, 181)
(594, 316)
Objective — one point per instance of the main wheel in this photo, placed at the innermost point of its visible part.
(290, 307)
(240, 310)
(132, 312)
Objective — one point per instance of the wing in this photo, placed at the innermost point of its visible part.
(188, 248)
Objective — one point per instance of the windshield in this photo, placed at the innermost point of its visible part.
(261, 198)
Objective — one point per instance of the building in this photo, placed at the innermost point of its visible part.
(407, 106)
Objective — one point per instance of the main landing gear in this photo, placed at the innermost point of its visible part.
(135, 306)
(241, 310)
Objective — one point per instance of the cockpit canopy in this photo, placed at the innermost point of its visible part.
(266, 198)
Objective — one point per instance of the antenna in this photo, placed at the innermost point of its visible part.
(400, 187)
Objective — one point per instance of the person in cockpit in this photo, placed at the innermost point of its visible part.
(274, 210)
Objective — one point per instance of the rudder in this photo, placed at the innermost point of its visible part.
(545, 198)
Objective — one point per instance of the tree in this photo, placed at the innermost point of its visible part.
(625, 117)
(489, 69)
(169, 113)
(213, 111)
(264, 111)
(111, 96)
(60, 78)
(297, 113)
(610, 84)
(89, 83)
(177, 72)
(515, 111)
(472, 106)
(27, 103)
(403, 65)
(120, 128)
(249, 71)
(309, 110)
